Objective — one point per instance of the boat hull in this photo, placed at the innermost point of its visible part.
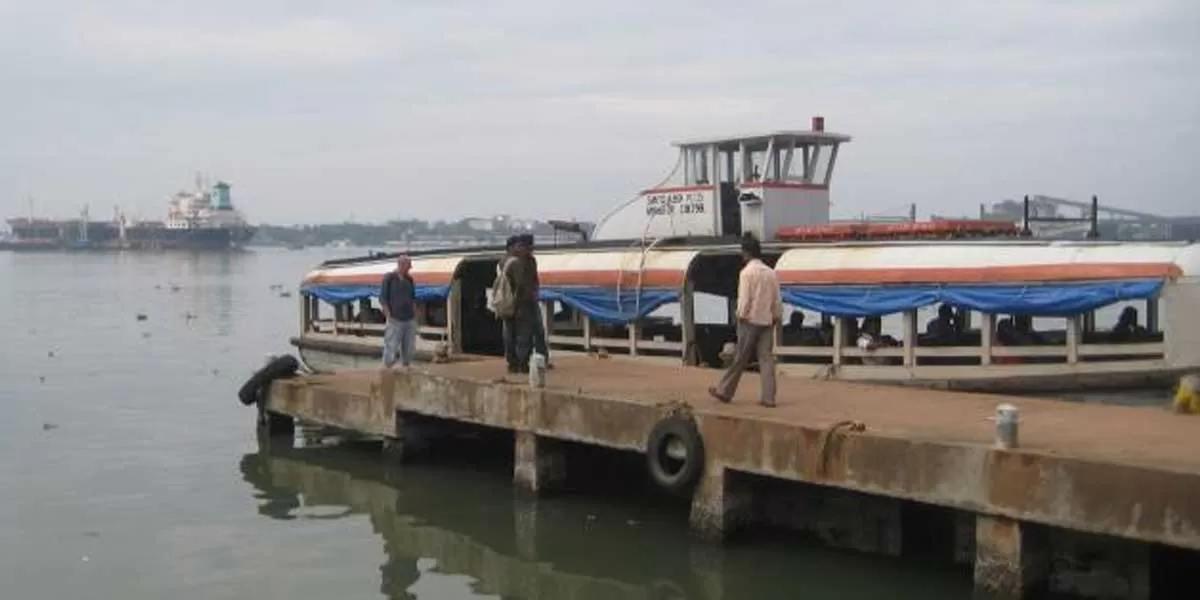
(333, 356)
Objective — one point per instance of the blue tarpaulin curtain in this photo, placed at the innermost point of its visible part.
(1042, 300)
(603, 304)
(334, 294)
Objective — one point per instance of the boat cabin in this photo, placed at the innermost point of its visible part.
(726, 186)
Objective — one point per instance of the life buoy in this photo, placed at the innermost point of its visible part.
(675, 453)
(280, 367)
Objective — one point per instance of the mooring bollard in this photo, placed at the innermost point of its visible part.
(537, 371)
(1007, 419)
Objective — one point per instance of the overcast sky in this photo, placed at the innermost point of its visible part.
(372, 109)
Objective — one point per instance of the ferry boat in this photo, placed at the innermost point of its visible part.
(658, 279)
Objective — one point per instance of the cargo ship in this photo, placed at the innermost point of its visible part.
(202, 219)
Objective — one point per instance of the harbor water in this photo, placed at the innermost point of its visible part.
(129, 470)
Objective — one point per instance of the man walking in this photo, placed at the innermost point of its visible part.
(397, 297)
(759, 310)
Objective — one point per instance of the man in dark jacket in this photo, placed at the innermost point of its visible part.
(540, 345)
(397, 297)
(522, 273)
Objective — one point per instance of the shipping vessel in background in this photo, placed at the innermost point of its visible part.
(201, 219)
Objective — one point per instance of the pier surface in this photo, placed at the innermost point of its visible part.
(1126, 472)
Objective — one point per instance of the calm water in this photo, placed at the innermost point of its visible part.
(129, 470)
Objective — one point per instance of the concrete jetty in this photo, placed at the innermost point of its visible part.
(884, 470)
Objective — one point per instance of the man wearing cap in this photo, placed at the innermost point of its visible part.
(397, 298)
(539, 327)
(522, 273)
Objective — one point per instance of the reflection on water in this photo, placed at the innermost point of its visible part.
(446, 527)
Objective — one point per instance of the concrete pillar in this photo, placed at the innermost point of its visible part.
(720, 504)
(539, 464)
(1012, 558)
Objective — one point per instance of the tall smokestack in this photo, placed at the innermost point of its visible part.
(818, 123)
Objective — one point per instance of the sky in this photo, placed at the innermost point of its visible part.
(369, 110)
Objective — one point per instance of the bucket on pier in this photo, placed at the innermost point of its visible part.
(537, 371)
(1007, 419)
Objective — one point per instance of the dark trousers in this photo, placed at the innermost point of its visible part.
(524, 332)
(539, 337)
(510, 343)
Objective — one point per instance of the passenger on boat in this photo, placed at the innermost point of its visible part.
(1024, 326)
(759, 311)
(796, 334)
(522, 272)
(1008, 335)
(871, 338)
(943, 329)
(397, 297)
(368, 313)
(1127, 328)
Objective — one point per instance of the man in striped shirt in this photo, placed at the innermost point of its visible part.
(759, 311)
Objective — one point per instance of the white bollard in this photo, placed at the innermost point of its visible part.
(537, 371)
(1007, 419)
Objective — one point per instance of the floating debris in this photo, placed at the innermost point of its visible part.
(145, 334)
(285, 294)
(41, 379)
(48, 426)
(141, 316)
(174, 288)
(189, 316)
(50, 354)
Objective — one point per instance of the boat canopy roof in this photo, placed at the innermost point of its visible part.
(757, 142)
(981, 262)
(630, 269)
(1046, 280)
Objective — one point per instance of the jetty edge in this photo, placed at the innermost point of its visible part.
(876, 469)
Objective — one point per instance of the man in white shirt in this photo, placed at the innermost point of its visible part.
(759, 311)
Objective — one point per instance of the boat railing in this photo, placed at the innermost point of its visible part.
(583, 335)
(1071, 349)
(331, 326)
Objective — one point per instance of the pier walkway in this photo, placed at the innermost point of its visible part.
(923, 462)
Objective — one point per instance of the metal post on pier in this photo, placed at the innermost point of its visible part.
(1007, 420)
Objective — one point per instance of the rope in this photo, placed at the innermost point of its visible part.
(823, 445)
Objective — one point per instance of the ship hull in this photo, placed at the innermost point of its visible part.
(137, 238)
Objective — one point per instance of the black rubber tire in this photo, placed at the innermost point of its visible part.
(663, 470)
(281, 367)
